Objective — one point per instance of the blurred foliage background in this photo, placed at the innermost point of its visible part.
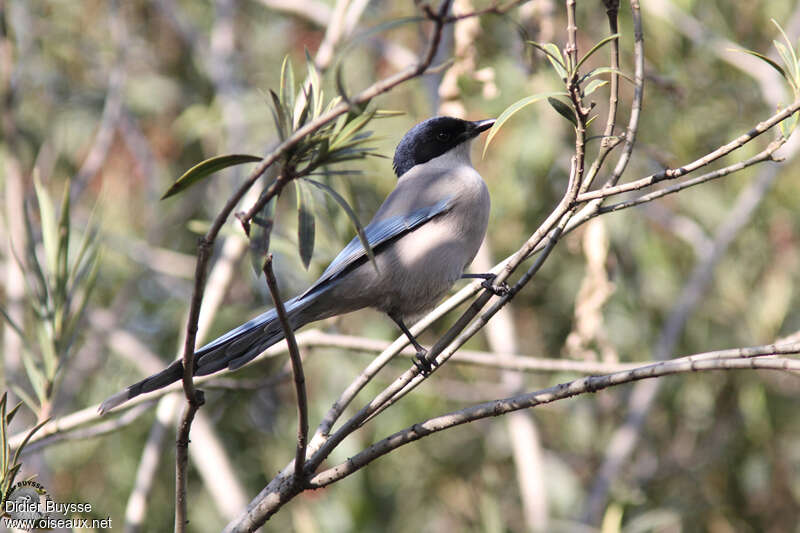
(115, 100)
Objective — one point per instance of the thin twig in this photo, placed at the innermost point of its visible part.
(297, 371)
(523, 401)
(608, 143)
(761, 157)
(722, 151)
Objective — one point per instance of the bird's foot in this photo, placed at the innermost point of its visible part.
(488, 283)
(423, 364)
(498, 290)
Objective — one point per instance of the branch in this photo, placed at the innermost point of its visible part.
(297, 371)
(748, 359)
(722, 151)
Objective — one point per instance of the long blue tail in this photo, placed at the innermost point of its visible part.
(231, 350)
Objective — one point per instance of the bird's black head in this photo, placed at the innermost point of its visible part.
(433, 138)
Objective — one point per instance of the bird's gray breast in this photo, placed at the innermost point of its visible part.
(422, 265)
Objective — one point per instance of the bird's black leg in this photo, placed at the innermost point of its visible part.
(421, 362)
(488, 279)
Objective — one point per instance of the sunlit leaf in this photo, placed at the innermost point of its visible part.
(47, 214)
(512, 109)
(287, 89)
(563, 109)
(206, 168)
(767, 60)
(350, 214)
(554, 56)
(593, 86)
(793, 64)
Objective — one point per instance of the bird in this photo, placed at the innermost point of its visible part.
(423, 236)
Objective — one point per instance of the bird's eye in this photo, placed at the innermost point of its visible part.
(442, 136)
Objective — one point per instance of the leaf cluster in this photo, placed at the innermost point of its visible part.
(569, 75)
(9, 462)
(790, 71)
(58, 285)
(339, 141)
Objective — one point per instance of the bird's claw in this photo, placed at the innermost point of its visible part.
(498, 290)
(423, 364)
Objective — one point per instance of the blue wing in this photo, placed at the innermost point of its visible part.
(377, 233)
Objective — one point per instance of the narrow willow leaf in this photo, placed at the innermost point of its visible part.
(301, 117)
(35, 376)
(315, 87)
(47, 213)
(11, 414)
(595, 48)
(287, 89)
(340, 88)
(351, 215)
(279, 116)
(353, 127)
(554, 56)
(563, 109)
(305, 223)
(767, 60)
(206, 168)
(36, 284)
(605, 70)
(62, 273)
(591, 120)
(388, 113)
(593, 86)
(512, 109)
(788, 61)
(28, 436)
(260, 236)
(793, 65)
(11, 323)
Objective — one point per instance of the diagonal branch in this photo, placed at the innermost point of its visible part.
(297, 372)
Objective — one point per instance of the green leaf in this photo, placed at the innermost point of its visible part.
(47, 213)
(350, 213)
(790, 65)
(595, 48)
(605, 70)
(788, 126)
(793, 64)
(342, 90)
(554, 55)
(62, 273)
(279, 116)
(11, 323)
(300, 119)
(35, 376)
(287, 89)
(563, 109)
(260, 235)
(767, 60)
(28, 436)
(512, 109)
(349, 130)
(305, 223)
(206, 168)
(11, 414)
(314, 83)
(593, 86)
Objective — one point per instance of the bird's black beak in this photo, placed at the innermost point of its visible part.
(479, 126)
